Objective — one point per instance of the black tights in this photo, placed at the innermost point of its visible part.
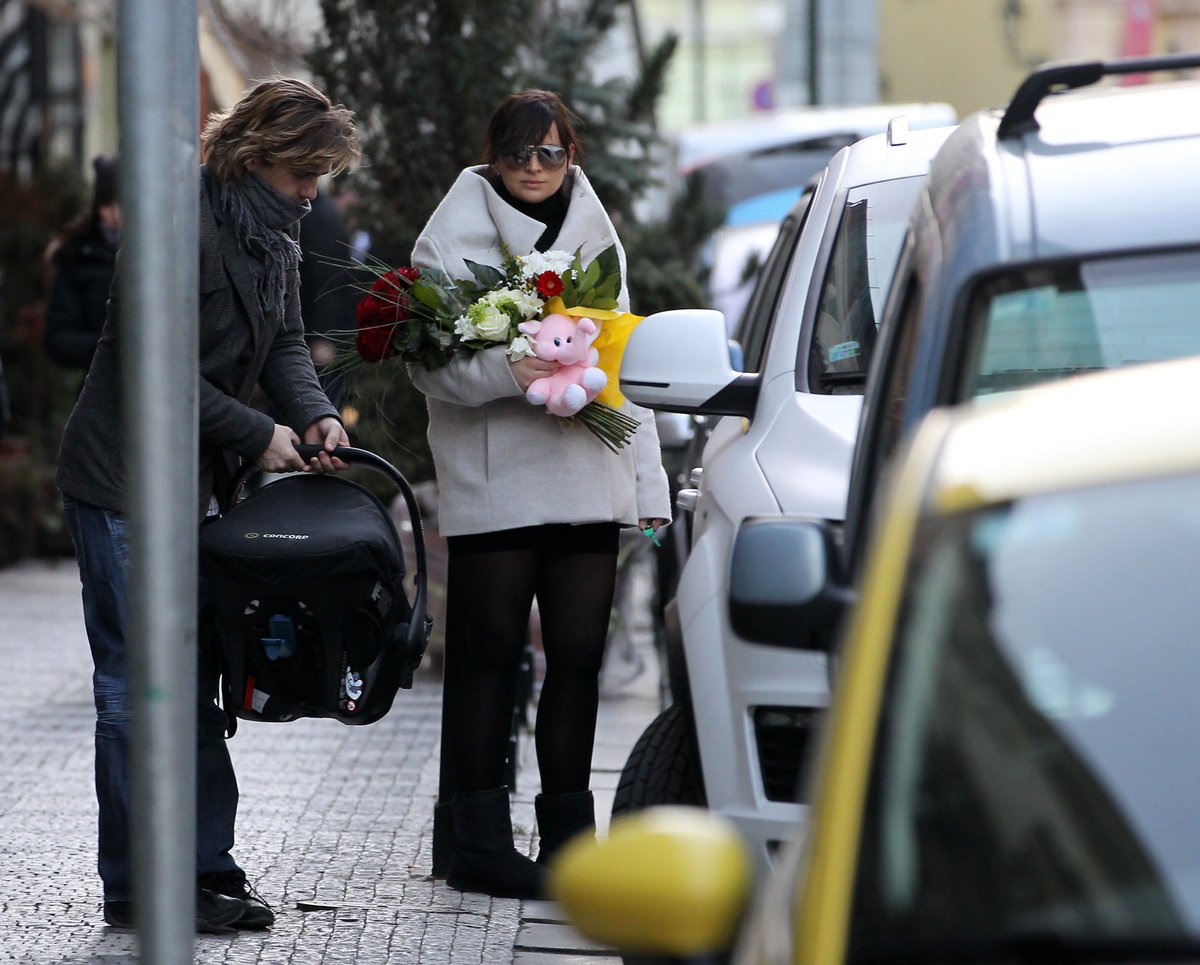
(493, 579)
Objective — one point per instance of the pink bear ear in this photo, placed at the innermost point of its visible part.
(587, 326)
(530, 328)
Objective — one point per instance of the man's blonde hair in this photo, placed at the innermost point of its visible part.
(280, 121)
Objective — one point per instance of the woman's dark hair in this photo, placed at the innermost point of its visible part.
(104, 185)
(85, 226)
(524, 118)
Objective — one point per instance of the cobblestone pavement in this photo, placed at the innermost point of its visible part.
(334, 827)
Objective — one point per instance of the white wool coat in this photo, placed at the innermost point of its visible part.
(502, 462)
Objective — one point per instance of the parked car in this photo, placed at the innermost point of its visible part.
(754, 169)
(741, 713)
(1058, 236)
(1007, 772)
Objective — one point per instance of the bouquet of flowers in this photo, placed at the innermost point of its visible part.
(424, 317)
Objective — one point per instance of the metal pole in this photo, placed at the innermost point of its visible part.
(158, 77)
(814, 52)
(699, 63)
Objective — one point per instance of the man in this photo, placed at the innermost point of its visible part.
(262, 161)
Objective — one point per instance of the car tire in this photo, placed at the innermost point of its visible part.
(663, 767)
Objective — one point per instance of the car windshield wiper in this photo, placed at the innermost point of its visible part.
(1028, 946)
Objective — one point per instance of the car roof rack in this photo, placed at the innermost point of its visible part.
(1067, 75)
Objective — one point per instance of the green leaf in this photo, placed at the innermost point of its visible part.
(487, 276)
(591, 275)
(609, 262)
(607, 290)
(429, 294)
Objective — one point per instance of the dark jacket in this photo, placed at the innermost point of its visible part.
(328, 297)
(78, 302)
(4, 412)
(238, 349)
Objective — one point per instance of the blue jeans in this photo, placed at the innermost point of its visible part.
(102, 549)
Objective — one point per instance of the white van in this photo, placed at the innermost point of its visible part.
(737, 731)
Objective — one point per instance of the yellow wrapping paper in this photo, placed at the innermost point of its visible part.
(615, 329)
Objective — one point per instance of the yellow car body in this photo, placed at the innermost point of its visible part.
(1104, 437)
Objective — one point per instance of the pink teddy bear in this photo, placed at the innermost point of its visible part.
(568, 341)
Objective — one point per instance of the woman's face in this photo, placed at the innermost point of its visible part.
(532, 179)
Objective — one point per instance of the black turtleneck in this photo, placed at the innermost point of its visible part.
(551, 212)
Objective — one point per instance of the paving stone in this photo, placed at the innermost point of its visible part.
(333, 816)
(542, 936)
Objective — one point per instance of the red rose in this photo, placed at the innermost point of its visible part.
(381, 311)
(392, 289)
(377, 321)
(374, 342)
(549, 284)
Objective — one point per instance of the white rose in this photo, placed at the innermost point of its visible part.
(490, 323)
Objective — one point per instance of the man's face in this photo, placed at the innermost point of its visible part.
(294, 183)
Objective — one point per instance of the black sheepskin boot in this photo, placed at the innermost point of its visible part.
(560, 817)
(443, 838)
(484, 858)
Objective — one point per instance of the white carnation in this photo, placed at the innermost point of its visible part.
(536, 262)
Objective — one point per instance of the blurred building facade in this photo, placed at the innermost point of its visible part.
(58, 87)
(735, 57)
(974, 53)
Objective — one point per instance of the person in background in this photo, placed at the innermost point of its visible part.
(83, 257)
(4, 409)
(262, 159)
(327, 295)
(529, 510)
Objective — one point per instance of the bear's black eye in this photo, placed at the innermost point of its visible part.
(558, 341)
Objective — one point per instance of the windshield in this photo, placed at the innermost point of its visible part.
(1035, 770)
(1045, 322)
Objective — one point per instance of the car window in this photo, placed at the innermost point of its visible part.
(1045, 322)
(883, 416)
(855, 283)
(1039, 717)
(755, 326)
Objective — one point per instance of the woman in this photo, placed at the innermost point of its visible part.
(531, 508)
(84, 257)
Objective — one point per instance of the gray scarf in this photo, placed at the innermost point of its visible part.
(262, 217)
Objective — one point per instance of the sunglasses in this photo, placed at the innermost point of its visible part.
(550, 156)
